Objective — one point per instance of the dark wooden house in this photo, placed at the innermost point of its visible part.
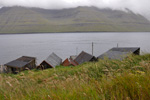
(21, 64)
(84, 57)
(120, 52)
(52, 61)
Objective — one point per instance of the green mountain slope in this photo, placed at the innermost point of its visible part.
(80, 19)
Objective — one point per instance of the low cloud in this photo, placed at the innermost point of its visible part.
(137, 6)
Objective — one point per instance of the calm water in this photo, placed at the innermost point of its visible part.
(66, 44)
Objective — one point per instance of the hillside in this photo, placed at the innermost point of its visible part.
(103, 80)
(80, 19)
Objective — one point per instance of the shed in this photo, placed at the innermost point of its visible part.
(69, 62)
(66, 62)
(84, 57)
(120, 52)
(21, 64)
(52, 61)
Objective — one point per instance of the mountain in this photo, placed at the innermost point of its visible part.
(80, 19)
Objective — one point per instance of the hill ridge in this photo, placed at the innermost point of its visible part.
(80, 19)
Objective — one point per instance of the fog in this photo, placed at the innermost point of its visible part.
(137, 6)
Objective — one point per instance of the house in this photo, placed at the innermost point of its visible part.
(84, 57)
(120, 52)
(21, 64)
(52, 61)
(66, 62)
(69, 62)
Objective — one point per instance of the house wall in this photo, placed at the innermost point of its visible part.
(66, 63)
(46, 65)
(10, 69)
(137, 52)
(94, 59)
(31, 65)
(3, 69)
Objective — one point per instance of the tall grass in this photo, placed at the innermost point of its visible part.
(103, 80)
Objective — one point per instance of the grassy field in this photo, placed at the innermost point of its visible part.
(103, 80)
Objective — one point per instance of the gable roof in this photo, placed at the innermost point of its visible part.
(125, 49)
(66, 62)
(69, 62)
(26, 58)
(83, 57)
(20, 62)
(119, 53)
(53, 60)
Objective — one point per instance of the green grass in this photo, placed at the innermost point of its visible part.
(102, 80)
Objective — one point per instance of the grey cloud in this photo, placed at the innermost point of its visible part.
(138, 6)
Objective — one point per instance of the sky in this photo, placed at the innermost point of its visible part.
(137, 6)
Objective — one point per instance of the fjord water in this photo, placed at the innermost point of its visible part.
(66, 44)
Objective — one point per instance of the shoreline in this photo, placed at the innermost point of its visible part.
(72, 32)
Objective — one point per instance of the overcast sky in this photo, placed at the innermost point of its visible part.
(138, 6)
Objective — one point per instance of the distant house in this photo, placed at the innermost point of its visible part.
(66, 62)
(69, 62)
(120, 52)
(84, 57)
(52, 61)
(21, 64)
